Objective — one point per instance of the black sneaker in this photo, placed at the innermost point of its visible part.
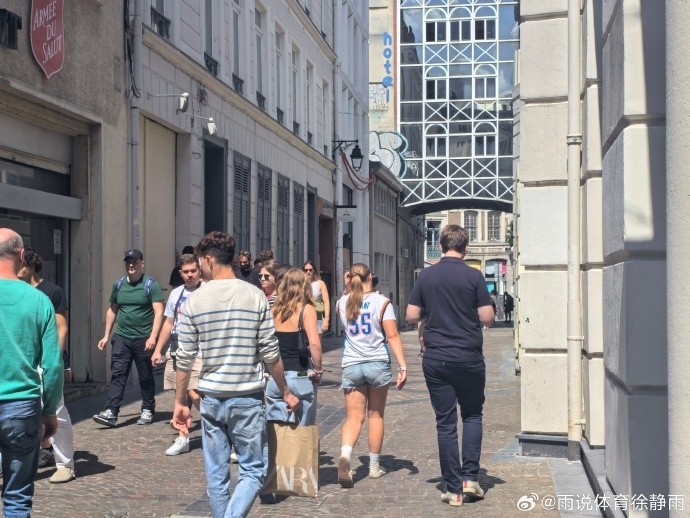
(107, 418)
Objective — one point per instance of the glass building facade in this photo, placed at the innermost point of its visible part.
(456, 70)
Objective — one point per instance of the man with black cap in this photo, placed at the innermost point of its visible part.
(175, 276)
(136, 304)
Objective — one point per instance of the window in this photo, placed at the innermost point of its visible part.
(242, 201)
(324, 117)
(298, 215)
(259, 32)
(280, 102)
(494, 226)
(460, 30)
(471, 224)
(283, 220)
(159, 23)
(295, 91)
(264, 208)
(310, 90)
(236, 39)
(436, 89)
(435, 31)
(485, 29)
(210, 62)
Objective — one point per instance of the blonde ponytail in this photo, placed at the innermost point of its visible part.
(359, 274)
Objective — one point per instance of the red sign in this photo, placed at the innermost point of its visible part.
(48, 35)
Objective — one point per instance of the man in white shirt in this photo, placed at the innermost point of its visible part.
(191, 275)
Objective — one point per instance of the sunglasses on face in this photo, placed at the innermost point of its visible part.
(265, 276)
(308, 270)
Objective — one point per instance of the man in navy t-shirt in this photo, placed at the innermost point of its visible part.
(452, 299)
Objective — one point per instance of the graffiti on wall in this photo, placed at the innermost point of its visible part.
(388, 148)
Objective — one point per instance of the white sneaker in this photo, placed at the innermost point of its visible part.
(45, 457)
(146, 417)
(181, 445)
(375, 470)
(233, 457)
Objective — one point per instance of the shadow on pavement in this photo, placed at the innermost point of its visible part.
(85, 464)
(485, 480)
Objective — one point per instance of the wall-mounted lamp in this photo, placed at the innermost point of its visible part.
(210, 125)
(356, 157)
(182, 100)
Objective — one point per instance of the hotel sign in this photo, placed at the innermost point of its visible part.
(48, 35)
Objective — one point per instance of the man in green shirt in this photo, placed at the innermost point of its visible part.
(136, 304)
(29, 338)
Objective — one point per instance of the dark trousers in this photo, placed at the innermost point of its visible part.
(450, 384)
(126, 350)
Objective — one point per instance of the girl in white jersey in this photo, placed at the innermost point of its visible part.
(370, 329)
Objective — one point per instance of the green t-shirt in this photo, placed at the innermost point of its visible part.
(135, 316)
(29, 338)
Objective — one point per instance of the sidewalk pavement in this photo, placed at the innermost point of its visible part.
(123, 472)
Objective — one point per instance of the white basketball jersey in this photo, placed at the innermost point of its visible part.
(364, 337)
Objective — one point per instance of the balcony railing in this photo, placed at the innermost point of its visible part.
(211, 64)
(280, 115)
(237, 84)
(160, 24)
(433, 252)
(260, 101)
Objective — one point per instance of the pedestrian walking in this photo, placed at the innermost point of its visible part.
(268, 281)
(191, 275)
(294, 314)
(175, 277)
(453, 300)
(246, 271)
(29, 338)
(319, 292)
(231, 325)
(60, 447)
(370, 330)
(136, 307)
(508, 306)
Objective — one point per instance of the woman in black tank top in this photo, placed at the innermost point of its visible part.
(302, 374)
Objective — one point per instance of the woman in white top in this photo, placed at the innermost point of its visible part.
(319, 293)
(370, 329)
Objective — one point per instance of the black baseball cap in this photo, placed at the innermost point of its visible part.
(134, 254)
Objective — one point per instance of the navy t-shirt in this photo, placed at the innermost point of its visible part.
(449, 294)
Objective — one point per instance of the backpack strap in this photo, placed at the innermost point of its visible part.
(148, 282)
(177, 306)
(118, 285)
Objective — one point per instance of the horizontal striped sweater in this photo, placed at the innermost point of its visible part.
(230, 323)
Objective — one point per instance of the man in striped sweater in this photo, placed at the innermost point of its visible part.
(229, 321)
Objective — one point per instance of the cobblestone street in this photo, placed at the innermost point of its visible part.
(123, 472)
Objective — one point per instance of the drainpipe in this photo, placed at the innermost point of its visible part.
(338, 175)
(134, 100)
(574, 140)
(677, 247)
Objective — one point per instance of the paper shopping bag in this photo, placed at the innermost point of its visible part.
(293, 467)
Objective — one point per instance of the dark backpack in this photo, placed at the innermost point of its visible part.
(148, 281)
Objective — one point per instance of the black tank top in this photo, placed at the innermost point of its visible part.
(288, 342)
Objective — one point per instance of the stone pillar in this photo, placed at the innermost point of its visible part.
(678, 250)
(634, 189)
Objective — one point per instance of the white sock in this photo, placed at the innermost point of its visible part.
(374, 457)
(345, 451)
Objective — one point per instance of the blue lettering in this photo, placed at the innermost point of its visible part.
(387, 81)
(387, 53)
(387, 39)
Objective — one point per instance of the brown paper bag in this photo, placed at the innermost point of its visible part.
(293, 467)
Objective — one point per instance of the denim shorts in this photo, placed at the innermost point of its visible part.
(376, 374)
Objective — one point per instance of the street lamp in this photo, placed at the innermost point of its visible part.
(210, 125)
(356, 157)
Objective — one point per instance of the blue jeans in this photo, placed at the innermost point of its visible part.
(20, 435)
(302, 388)
(450, 384)
(239, 423)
